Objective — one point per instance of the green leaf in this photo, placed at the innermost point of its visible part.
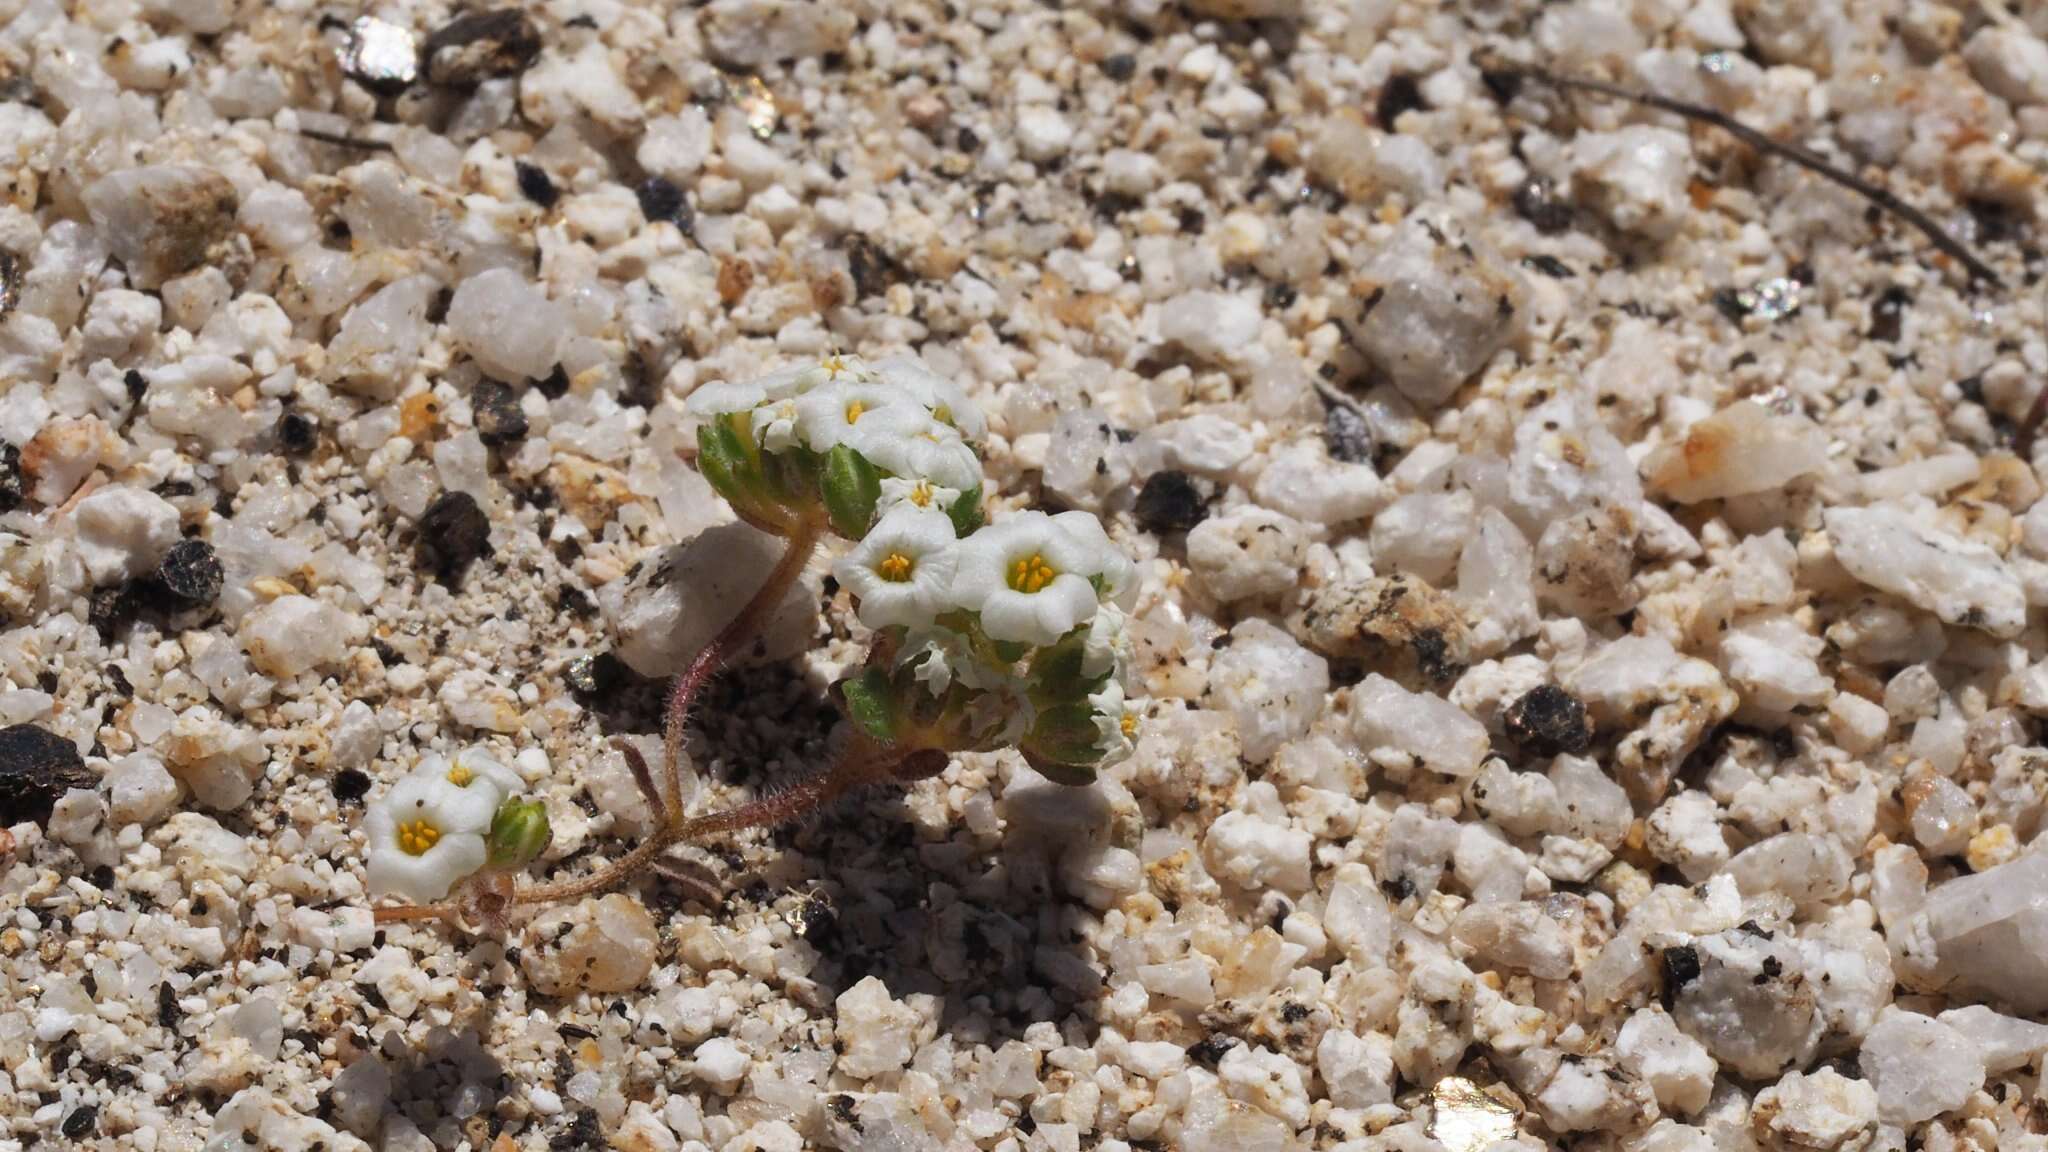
(1056, 671)
(1010, 651)
(850, 486)
(1065, 732)
(1071, 775)
(868, 698)
(966, 513)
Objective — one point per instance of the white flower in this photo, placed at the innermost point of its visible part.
(916, 490)
(1106, 560)
(1004, 712)
(784, 384)
(943, 656)
(1108, 643)
(474, 771)
(902, 570)
(906, 442)
(1116, 723)
(1027, 578)
(427, 834)
(826, 417)
(944, 399)
(774, 425)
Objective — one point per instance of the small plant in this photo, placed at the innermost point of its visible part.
(986, 635)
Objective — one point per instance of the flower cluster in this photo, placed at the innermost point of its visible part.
(989, 635)
(448, 820)
(851, 438)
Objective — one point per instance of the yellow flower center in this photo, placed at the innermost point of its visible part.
(1129, 724)
(853, 411)
(943, 414)
(460, 776)
(1031, 574)
(896, 567)
(416, 836)
(833, 366)
(922, 494)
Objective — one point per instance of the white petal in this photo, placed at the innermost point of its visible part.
(719, 399)
(450, 809)
(485, 766)
(1108, 643)
(1040, 617)
(427, 877)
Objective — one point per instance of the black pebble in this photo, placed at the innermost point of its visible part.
(1729, 303)
(582, 1132)
(499, 419)
(190, 572)
(108, 608)
(1400, 94)
(11, 488)
(350, 786)
(1537, 202)
(479, 46)
(554, 385)
(82, 1120)
(1208, 1051)
(576, 602)
(1346, 435)
(536, 185)
(296, 434)
(1548, 721)
(1550, 266)
(36, 768)
(1170, 502)
(453, 533)
(1120, 67)
(661, 200)
(1681, 966)
(1888, 314)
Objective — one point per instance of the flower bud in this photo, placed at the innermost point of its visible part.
(519, 833)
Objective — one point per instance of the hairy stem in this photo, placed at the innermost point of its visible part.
(802, 542)
(861, 766)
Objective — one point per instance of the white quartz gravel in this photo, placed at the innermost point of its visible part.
(1586, 578)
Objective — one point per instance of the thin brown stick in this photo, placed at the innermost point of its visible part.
(341, 141)
(802, 542)
(2023, 440)
(1805, 159)
(399, 913)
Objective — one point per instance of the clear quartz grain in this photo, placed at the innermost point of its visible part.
(380, 55)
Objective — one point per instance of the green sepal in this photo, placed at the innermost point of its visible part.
(868, 704)
(519, 834)
(966, 513)
(850, 486)
(721, 459)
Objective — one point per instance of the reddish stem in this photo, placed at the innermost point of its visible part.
(861, 766)
(803, 541)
